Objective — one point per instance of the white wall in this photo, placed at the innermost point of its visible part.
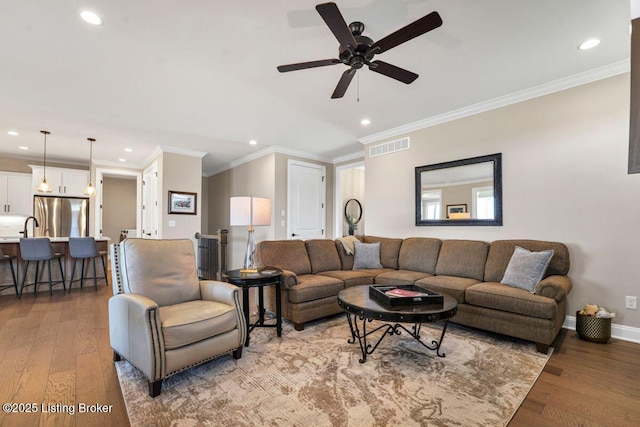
(564, 168)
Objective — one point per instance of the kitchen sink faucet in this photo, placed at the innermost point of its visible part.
(35, 222)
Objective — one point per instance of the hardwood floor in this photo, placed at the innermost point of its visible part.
(585, 384)
(56, 351)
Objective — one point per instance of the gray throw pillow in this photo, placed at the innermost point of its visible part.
(366, 255)
(526, 268)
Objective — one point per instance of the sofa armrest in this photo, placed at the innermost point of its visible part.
(556, 287)
(289, 279)
(135, 332)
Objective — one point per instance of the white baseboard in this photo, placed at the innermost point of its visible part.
(621, 332)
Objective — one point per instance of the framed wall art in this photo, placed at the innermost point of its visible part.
(182, 202)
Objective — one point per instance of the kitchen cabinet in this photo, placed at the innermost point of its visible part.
(16, 197)
(64, 182)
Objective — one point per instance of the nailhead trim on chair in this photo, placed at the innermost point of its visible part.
(157, 357)
(115, 267)
(242, 326)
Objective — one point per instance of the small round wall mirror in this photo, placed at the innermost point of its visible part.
(352, 214)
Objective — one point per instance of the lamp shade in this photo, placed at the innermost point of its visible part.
(250, 211)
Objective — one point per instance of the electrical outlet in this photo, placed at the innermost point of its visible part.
(631, 303)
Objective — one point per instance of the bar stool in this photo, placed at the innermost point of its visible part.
(39, 249)
(85, 248)
(9, 259)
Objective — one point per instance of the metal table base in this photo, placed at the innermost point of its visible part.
(389, 329)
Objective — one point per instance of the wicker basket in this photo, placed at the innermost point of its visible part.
(593, 328)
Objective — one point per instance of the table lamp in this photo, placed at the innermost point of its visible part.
(250, 211)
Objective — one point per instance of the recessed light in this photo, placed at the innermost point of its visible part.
(91, 17)
(365, 122)
(588, 44)
(122, 160)
(128, 150)
(13, 133)
(253, 142)
(22, 147)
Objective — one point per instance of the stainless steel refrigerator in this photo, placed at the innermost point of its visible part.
(61, 216)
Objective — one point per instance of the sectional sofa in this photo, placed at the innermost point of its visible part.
(469, 270)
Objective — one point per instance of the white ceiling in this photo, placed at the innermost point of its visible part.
(201, 75)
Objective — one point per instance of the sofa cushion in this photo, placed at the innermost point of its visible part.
(163, 270)
(314, 286)
(526, 268)
(450, 285)
(500, 253)
(193, 321)
(323, 255)
(285, 254)
(513, 300)
(350, 277)
(400, 277)
(389, 250)
(366, 255)
(419, 254)
(462, 258)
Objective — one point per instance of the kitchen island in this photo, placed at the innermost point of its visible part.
(11, 246)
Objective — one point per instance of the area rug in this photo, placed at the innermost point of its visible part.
(313, 378)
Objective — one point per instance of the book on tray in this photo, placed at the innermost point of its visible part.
(407, 293)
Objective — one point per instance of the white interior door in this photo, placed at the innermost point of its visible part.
(150, 203)
(306, 200)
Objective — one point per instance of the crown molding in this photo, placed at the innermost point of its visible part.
(513, 98)
(183, 151)
(270, 150)
(348, 157)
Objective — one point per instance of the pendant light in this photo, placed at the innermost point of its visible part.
(44, 186)
(90, 190)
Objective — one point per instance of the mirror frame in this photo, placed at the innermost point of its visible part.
(497, 191)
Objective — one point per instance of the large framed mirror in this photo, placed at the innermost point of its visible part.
(461, 192)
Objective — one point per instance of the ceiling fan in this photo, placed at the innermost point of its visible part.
(357, 50)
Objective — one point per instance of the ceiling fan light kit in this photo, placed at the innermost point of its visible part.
(356, 50)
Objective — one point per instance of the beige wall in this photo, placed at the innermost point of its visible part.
(352, 181)
(262, 177)
(254, 178)
(564, 168)
(177, 172)
(119, 206)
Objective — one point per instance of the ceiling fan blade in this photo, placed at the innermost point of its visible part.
(394, 72)
(411, 31)
(305, 65)
(343, 84)
(336, 23)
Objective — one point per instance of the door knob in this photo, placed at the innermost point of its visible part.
(294, 234)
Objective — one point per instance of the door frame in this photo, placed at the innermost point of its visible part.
(292, 162)
(100, 174)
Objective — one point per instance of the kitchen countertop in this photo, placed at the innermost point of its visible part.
(53, 239)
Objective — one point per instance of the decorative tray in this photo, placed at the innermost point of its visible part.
(404, 295)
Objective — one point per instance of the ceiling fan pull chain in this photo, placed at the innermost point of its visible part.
(358, 100)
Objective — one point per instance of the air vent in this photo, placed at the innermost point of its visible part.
(389, 147)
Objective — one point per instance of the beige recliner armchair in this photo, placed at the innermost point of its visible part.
(162, 318)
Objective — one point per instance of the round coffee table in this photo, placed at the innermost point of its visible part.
(358, 305)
